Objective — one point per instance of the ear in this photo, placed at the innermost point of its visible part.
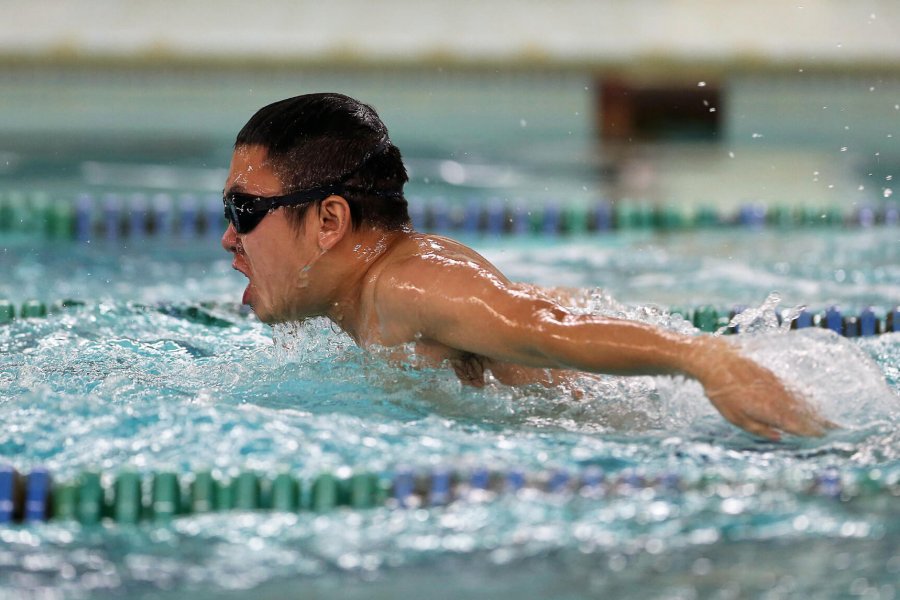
(334, 221)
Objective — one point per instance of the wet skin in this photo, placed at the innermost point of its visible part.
(393, 289)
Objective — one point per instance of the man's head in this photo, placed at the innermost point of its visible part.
(320, 140)
(311, 179)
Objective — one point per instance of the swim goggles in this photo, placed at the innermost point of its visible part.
(246, 211)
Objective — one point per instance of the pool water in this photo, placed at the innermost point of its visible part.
(124, 382)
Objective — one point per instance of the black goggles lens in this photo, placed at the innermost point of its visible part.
(246, 211)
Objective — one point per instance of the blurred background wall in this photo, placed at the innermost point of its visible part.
(659, 100)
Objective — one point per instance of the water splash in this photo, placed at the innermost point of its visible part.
(762, 318)
(842, 381)
(309, 341)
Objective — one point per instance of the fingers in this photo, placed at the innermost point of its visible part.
(794, 417)
(798, 420)
(754, 399)
(751, 424)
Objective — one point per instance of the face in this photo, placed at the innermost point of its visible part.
(273, 256)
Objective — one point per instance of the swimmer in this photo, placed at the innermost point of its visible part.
(319, 226)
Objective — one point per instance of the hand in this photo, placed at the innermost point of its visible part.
(752, 397)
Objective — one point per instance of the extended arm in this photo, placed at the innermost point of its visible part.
(476, 311)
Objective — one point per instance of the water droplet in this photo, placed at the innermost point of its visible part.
(452, 172)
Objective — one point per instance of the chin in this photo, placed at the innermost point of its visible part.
(268, 316)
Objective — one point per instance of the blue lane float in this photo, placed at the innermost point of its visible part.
(37, 500)
(10, 494)
(129, 498)
(833, 320)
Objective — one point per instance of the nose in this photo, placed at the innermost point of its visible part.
(230, 239)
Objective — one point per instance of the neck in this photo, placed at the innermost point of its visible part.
(359, 254)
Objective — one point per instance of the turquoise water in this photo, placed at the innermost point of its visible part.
(115, 384)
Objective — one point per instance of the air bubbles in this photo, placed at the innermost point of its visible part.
(523, 123)
(843, 148)
(888, 192)
(756, 136)
(701, 84)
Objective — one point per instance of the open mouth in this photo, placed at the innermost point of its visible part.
(246, 298)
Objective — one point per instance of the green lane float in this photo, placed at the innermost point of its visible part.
(7, 312)
(203, 493)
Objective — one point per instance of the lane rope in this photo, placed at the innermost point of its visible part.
(115, 216)
(128, 497)
(867, 322)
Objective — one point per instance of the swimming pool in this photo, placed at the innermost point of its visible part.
(689, 506)
(155, 370)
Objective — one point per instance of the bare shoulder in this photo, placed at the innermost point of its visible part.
(422, 257)
(422, 273)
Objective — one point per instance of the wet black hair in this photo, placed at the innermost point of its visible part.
(320, 139)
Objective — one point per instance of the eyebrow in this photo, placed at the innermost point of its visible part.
(235, 189)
